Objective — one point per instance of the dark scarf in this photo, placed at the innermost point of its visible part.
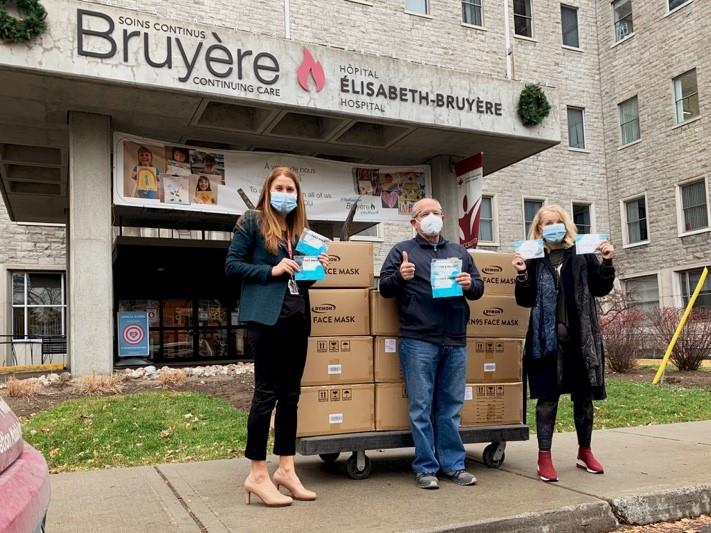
(544, 338)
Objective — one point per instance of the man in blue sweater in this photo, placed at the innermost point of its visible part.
(432, 346)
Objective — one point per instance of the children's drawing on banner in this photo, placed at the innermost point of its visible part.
(205, 191)
(143, 164)
(178, 161)
(175, 190)
(208, 163)
(366, 181)
(412, 189)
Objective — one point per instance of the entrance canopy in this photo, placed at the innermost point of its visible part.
(232, 90)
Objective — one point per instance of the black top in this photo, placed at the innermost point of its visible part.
(293, 304)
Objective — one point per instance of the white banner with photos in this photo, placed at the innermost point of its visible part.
(149, 173)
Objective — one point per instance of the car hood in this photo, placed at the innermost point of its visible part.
(10, 436)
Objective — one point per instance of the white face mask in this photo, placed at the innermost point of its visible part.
(431, 225)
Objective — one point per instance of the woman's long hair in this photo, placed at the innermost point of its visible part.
(570, 230)
(269, 222)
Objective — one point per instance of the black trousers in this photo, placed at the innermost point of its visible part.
(279, 353)
(546, 412)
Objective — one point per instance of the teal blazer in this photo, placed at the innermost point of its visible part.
(249, 262)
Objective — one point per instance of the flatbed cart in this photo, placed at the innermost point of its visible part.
(359, 466)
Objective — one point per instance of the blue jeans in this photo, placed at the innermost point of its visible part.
(435, 377)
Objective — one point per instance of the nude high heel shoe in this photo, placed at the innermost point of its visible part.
(294, 486)
(267, 492)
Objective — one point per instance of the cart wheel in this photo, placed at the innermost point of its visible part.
(329, 457)
(490, 456)
(352, 466)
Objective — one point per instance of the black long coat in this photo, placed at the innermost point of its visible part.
(579, 366)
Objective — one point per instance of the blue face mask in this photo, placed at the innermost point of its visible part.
(554, 233)
(283, 202)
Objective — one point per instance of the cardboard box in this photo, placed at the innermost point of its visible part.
(334, 360)
(336, 312)
(350, 265)
(384, 315)
(496, 270)
(492, 404)
(494, 360)
(497, 316)
(386, 360)
(391, 407)
(336, 409)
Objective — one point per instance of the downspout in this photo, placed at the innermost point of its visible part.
(509, 46)
(287, 18)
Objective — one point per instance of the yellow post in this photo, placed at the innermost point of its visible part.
(684, 317)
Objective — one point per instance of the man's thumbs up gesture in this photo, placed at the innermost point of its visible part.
(407, 269)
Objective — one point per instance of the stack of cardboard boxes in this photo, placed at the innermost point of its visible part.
(497, 327)
(352, 381)
(337, 391)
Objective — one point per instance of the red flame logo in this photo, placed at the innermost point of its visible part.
(310, 67)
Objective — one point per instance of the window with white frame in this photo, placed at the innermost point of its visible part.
(643, 292)
(689, 280)
(523, 18)
(486, 219)
(530, 208)
(417, 6)
(629, 120)
(582, 218)
(38, 304)
(686, 96)
(673, 4)
(622, 15)
(636, 220)
(569, 25)
(694, 205)
(471, 12)
(576, 127)
(371, 233)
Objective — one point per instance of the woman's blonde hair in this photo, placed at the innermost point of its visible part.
(269, 223)
(570, 230)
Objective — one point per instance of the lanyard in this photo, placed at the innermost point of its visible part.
(288, 244)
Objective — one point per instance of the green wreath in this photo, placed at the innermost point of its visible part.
(533, 106)
(13, 30)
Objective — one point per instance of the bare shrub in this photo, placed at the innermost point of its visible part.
(694, 342)
(23, 388)
(172, 377)
(622, 326)
(101, 384)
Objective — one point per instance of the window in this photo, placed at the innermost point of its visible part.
(530, 208)
(569, 26)
(629, 120)
(686, 96)
(523, 19)
(581, 217)
(38, 305)
(417, 6)
(643, 292)
(622, 14)
(471, 12)
(673, 4)
(371, 233)
(636, 214)
(689, 279)
(694, 205)
(576, 128)
(486, 220)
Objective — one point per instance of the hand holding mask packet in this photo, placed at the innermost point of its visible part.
(310, 269)
(311, 243)
(442, 274)
(589, 243)
(532, 249)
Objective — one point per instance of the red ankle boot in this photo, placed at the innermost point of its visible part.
(546, 470)
(587, 460)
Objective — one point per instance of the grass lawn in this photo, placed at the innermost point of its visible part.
(137, 429)
(164, 427)
(636, 404)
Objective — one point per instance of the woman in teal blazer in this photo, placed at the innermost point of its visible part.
(276, 310)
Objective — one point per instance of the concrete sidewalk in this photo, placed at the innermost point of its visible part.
(653, 473)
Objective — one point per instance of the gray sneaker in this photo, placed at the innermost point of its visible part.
(427, 480)
(460, 477)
